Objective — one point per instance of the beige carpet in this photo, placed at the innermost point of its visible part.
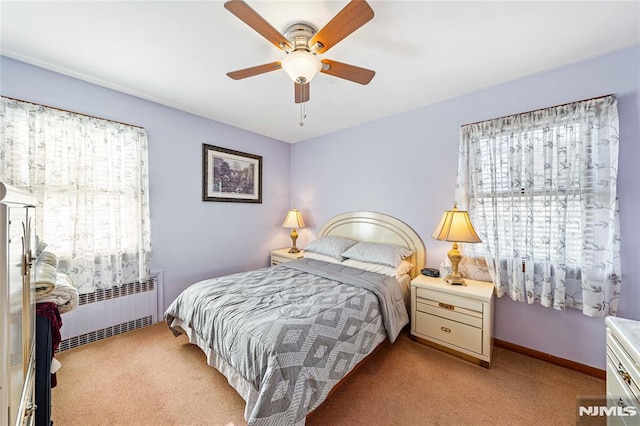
(148, 377)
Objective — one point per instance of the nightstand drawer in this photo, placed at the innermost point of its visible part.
(619, 397)
(282, 255)
(276, 260)
(455, 333)
(617, 386)
(448, 299)
(623, 365)
(451, 312)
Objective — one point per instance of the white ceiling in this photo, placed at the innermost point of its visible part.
(177, 53)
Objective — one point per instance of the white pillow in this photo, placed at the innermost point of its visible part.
(318, 256)
(330, 246)
(384, 254)
(402, 269)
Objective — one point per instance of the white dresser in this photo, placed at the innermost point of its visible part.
(623, 370)
(17, 307)
(456, 319)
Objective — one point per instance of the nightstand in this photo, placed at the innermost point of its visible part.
(283, 255)
(453, 318)
(623, 373)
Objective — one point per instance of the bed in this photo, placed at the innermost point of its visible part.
(286, 335)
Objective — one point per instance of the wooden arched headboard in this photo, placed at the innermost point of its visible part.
(377, 228)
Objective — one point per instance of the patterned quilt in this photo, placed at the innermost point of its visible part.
(284, 336)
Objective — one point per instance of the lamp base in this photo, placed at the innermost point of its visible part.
(453, 280)
(294, 237)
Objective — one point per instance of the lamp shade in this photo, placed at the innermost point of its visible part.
(293, 219)
(456, 226)
(301, 66)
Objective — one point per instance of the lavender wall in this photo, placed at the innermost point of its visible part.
(191, 239)
(403, 165)
(406, 166)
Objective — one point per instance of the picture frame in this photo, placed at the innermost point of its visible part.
(231, 176)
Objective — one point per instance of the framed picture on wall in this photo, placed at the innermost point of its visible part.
(231, 176)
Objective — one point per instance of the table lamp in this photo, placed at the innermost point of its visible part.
(455, 226)
(293, 221)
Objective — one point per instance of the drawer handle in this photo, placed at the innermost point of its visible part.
(30, 409)
(445, 306)
(445, 329)
(625, 376)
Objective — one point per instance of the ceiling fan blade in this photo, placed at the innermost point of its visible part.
(250, 72)
(353, 16)
(302, 92)
(346, 71)
(246, 14)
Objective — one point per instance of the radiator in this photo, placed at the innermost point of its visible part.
(106, 313)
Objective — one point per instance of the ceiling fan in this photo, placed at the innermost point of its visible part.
(303, 43)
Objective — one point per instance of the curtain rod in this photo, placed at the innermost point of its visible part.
(540, 109)
(73, 112)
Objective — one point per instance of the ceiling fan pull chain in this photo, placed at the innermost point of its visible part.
(303, 113)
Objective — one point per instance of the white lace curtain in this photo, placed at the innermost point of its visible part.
(90, 177)
(541, 191)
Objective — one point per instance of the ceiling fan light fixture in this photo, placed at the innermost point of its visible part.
(301, 66)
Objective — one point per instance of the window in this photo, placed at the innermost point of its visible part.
(89, 176)
(541, 190)
(541, 202)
